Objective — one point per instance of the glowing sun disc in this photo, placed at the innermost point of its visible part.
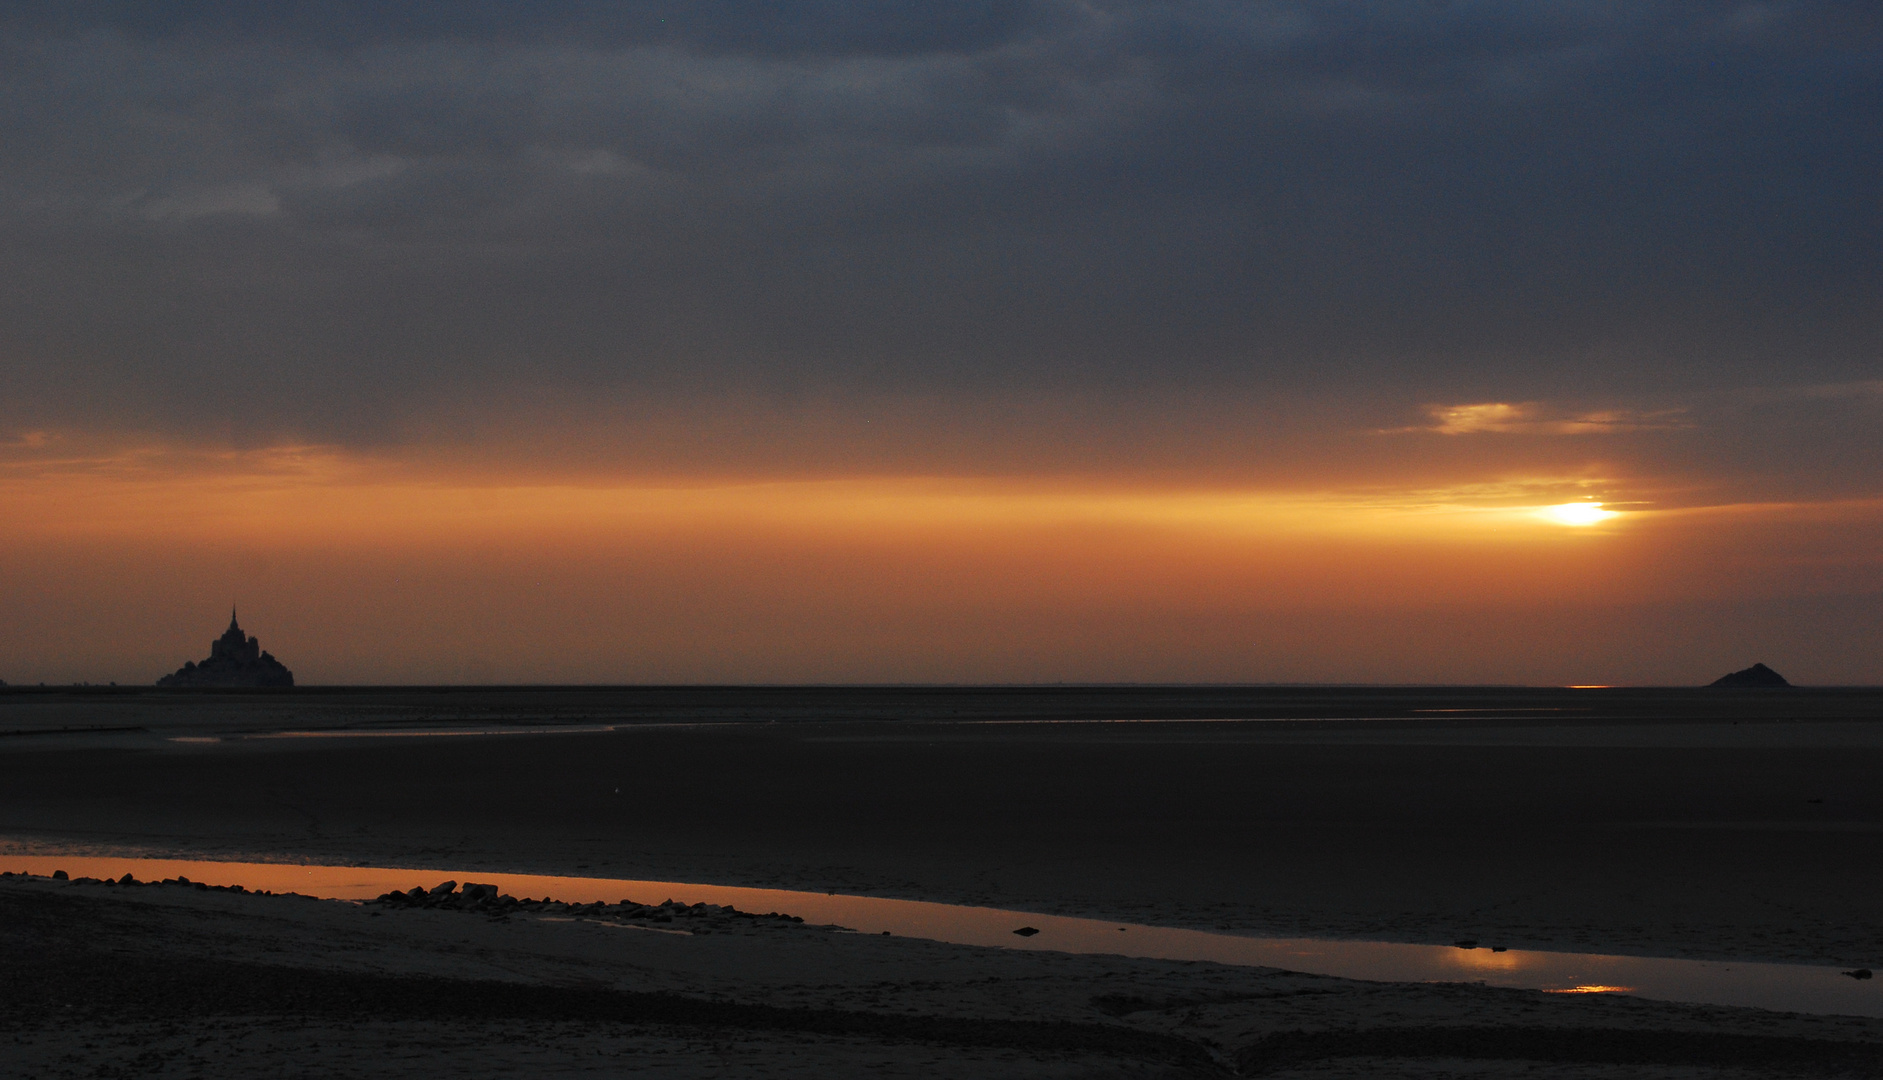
(1588, 513)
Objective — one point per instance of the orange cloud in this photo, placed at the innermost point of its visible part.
(303, 493)
(1535, 418)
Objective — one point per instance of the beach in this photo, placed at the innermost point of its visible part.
(1630, 822)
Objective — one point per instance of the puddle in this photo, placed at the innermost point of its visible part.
(442, 732)
(1787, 987)
(403, 733)
(1039, 722)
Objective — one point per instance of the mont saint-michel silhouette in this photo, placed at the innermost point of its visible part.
(235, 659)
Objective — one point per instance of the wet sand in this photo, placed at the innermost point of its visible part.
(1676, 823)
(1670, 823)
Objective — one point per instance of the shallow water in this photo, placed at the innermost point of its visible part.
(1787, 987)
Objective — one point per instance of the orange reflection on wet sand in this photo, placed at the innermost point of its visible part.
(1489, 959)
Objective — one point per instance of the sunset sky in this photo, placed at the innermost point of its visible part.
(893, 342)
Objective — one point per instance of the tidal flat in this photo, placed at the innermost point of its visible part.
(1710, 825)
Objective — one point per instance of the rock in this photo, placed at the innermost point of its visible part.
(1027, 931)
(487, 900)
(59, 875)
(1754, 677)
(1860, 974)
(1466, 943)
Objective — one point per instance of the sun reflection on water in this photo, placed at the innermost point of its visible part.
(1489, 959)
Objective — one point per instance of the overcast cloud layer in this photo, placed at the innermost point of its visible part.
(333, 222)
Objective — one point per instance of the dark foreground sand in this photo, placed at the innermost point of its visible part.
(1661, 823)
(105, 980)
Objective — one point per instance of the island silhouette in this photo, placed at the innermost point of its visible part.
(235, 659)
(1758, 675)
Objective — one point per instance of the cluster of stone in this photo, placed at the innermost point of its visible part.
(235, 659)
(179, 880)
(485, 899)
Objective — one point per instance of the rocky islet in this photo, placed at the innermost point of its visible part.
(235, 659)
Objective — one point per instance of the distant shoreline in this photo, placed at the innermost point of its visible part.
(369, 688)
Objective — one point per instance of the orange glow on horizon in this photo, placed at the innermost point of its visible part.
(380, 570)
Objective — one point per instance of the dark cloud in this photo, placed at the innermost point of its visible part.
(326, 218)
(809, 27)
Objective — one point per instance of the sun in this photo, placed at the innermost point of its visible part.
(1582, 513)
